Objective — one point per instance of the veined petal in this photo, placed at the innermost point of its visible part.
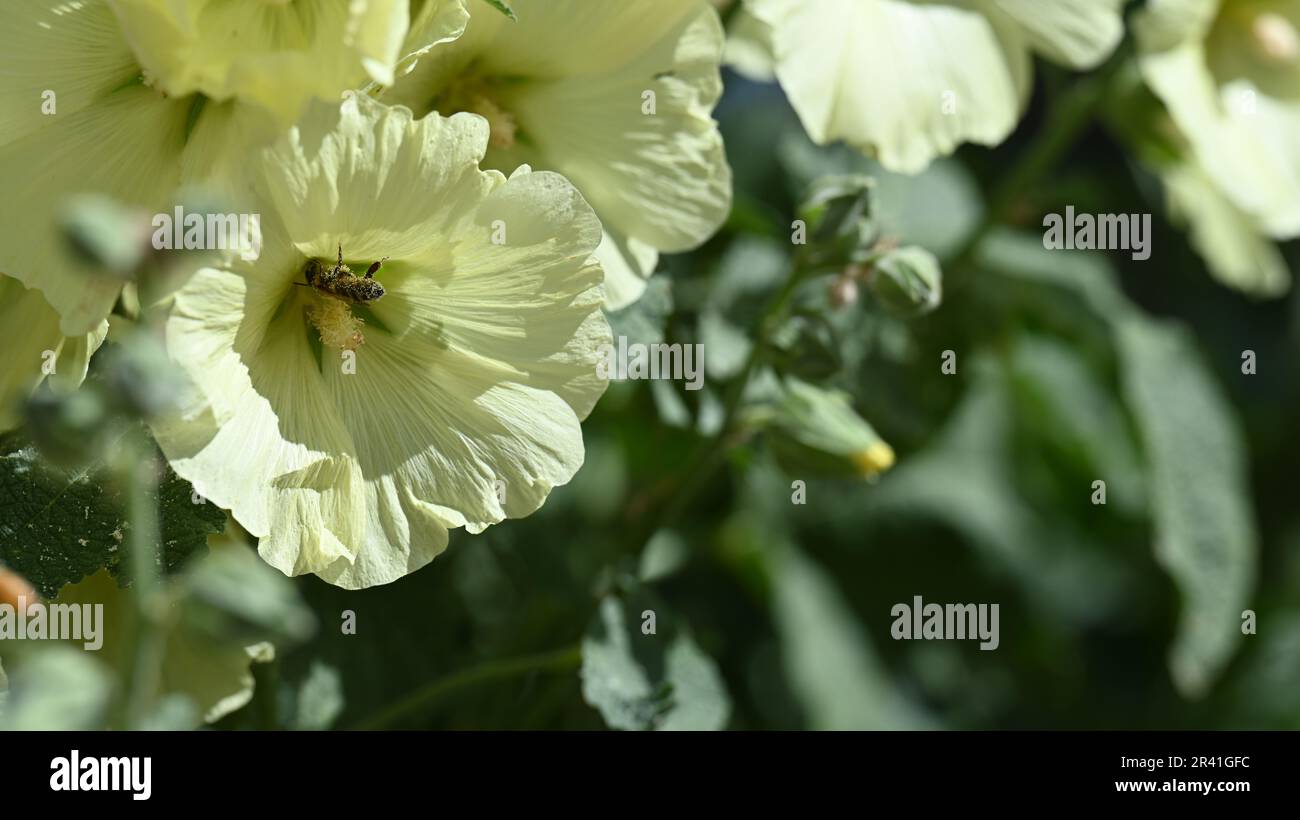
(461, 407)
(1248, 150)
(904, 81)
(628, 264)
(1077, 33)
(126, 146)
(36, 349)
(32, 35)
(278, 54)
(433, 23)
(615, 96)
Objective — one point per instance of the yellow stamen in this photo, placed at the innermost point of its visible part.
(338, 328)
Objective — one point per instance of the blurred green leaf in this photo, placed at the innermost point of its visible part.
(56, 689)
(234, 597)
(828, 658)
(1193, 453)
(659, 681)
(315, 704)
(1205, 532)
(503, 7)
(664, 554)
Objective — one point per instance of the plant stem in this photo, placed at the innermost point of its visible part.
(1065, 123)
(138, 472)
(421, 699)
(708, 454)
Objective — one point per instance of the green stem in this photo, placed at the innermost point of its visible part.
(1065, 124)
(138, 472)
(419, 700)
(708, 454)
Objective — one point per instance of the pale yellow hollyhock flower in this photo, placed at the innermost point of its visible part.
(910, 80)
(36, 350)
(350, 440)
(616, 95)
(78, 115)
(1229, 75)
(278, 53)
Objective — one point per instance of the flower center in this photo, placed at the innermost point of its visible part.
(1275, 37)
(1257, 41)
(334, 321)
(478, 95)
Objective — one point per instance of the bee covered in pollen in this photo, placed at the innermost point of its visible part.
(339, 281)
(332, 315)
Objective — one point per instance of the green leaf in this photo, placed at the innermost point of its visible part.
(641, 681)
(57, 689)
(236, 598)
(503, 7)
(1194, 455)
(1200, 498)
(828, 659)
(60, 526)
(908, 281)
(317, 702)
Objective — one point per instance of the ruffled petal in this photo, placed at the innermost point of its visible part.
(904, 81)
(36, 349)
(276, 54)
(617, 97)
(1077, 33)
(463, 404)
(1248, 150)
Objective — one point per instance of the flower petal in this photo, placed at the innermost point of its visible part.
(628, 264)
(905, 81)
(1077, 33)
(1248, 150)
(1227, 239)
(276, 54)
(464, 404)
(35, 344)
(626, 115)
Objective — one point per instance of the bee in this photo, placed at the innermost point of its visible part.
(341, 282)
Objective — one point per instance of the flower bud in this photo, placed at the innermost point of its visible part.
(816, 432)
(908, 281)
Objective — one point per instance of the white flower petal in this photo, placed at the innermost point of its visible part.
(35, 343)
(1227, 239)
(628, 264)
(1077, 33)
(464, 405)
(1249, 151)
(904, 81)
